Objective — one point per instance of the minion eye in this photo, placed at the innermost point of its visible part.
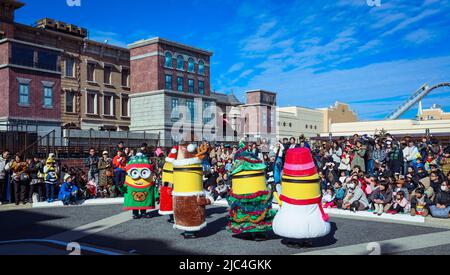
(145, 173)
(134, 174)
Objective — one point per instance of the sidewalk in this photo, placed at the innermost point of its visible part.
(365, 215)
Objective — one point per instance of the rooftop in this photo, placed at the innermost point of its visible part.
(155, 40)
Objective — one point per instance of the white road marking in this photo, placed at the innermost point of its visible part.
(390, 246)
(91, 228)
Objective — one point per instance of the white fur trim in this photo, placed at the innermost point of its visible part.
(169, 159)
(189, 194)
(190, 228)
(165, 213)
(186, 162)
(173, 151)
(300, 222)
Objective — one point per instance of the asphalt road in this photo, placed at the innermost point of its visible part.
(157, 237)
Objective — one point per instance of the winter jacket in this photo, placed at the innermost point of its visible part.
(345, 162)
(420, 204)
(410, 153)
(445, 163)
(356, 195)
(4, 167)
(385, 195)
(66, 190)
(379, 155)
(119, 165)
(50, 174)
(339, 193)
(92, 163)
(358, 159)
(443, 198)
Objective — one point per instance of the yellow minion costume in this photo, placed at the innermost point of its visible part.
(301, 215)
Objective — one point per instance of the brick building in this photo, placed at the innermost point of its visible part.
(170, 86)
(53, 76)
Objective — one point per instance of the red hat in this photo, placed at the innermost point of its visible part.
(299, 163)
(173, 154)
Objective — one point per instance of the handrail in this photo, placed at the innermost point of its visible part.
(413, 99)
(37, 142)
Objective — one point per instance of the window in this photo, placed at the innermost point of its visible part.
(70, 67)
(168, 82)
(191, 65)
(107, 75)
(125, 77)
(48, 97)
(180, 62)
(180, 84)
(201, 67)
(208, 116)
(24, 93)
(264, 119)
(91, 72)
(70, 102)
(125, 106)
(91, 103)
(108, 105)
(201, 87)
(191, 109)
(168, 62)
(175, 115)
(48, 60)
(22, 55)
(191, 86)
(306, 126)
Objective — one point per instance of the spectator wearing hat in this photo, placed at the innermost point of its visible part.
(420, 203)
(105, 174)
(51, 172)
(68, 193)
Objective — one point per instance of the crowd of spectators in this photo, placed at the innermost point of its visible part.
(380, 174)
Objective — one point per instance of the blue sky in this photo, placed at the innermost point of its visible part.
(311, 52)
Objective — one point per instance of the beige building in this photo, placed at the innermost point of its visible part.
(399, 127)
(434, 113)
(295, 121)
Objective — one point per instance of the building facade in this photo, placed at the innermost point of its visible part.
(56, 77)
(170, 92)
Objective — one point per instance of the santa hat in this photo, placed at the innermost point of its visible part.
(139, 161)
(186, 155)
(173, 154)
(299, 163)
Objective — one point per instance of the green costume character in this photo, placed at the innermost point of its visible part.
(139, 189)
(250, 201)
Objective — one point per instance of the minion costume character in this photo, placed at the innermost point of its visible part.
(189, 198)
(166, 200)
(301, 216)
(139, 194)
(250, 201)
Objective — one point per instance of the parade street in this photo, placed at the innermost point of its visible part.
(106, 229)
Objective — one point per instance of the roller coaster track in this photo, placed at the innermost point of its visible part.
(414, 98)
